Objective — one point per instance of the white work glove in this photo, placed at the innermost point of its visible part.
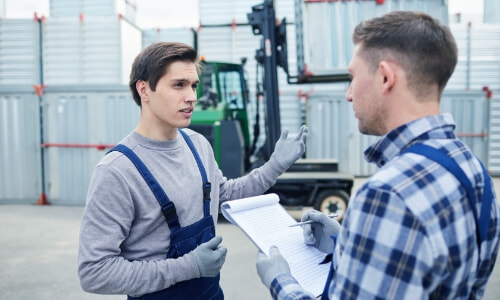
(210, 257)
(270, 267)
(318, 233)
(287, 151)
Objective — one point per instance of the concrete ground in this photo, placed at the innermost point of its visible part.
(38, 250)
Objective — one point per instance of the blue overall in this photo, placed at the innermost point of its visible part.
(449, 164)
(182, 239)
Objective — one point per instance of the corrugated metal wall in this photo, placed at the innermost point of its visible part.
(73, 8)
(19, 52)
(479, 56)
(226, 12)
(20, 159)
(85, 118)
(328, 27)
(494, 137)
(492, 11)
(92, 51)
(183, 35)
(334, 130)
(19, 146)
(479, 68)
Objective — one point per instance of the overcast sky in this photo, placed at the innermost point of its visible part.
(175, 13)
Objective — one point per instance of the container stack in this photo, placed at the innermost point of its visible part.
(64, 94)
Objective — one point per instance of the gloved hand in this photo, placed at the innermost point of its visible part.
(269, 267)
(287, 151)
(210, 257)
(318, 234)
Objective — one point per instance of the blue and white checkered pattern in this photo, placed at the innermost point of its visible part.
(409, 232)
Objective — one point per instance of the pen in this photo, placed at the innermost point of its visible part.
(311, 221)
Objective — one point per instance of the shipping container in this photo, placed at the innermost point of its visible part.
(76, 8)
(80, 125)
(19, 52)
(334, 130)
(230, 12)
(327, 27)
(95, 50)
(491, 11)
(20, 159)
(182, 35)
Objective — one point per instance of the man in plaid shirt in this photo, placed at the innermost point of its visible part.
(411, 231)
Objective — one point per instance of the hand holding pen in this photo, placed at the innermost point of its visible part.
(318, 229)
(331, 216)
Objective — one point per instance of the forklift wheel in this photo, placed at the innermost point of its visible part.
(332, 202)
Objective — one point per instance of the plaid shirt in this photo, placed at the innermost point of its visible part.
(409, 232)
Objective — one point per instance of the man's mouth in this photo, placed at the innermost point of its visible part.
(187, 110)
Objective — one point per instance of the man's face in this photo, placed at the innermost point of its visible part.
(364, 93)
(172, 103)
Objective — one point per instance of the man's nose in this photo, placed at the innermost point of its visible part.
(348, 94)
(192, 96)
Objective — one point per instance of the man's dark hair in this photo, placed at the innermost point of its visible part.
(420, 44)
(152, 63)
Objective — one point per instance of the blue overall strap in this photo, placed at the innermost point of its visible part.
(206, 185)
(331, 272)
(451, 165)
(167, 206)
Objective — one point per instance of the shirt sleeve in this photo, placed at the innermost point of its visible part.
(285, 287)
(384, 251)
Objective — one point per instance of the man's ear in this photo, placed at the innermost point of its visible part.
(388, 73)
(142, 89)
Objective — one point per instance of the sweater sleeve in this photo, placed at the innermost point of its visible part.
(106, 223)
(254, 183)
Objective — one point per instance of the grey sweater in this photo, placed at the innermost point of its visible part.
(124, 238)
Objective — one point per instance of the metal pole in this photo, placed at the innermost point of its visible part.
(39, 90)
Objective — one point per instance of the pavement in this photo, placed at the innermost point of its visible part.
(38, 256)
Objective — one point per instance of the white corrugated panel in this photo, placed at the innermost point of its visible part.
(470, 110)
(73, 8)
(75, 115)
(182, 35)
(334, 129)
(97, 50)
(19, 147)
(491, 11)
(494, 135)
(65, 8)
(225, 12)
(328, 26)
(479, 56)
(62, 51)
(130, 46)
(334, 133)
(19, 52)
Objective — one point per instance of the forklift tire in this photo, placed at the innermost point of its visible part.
(332, 202)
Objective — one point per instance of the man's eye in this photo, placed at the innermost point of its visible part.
(178, 84)
(194, 86)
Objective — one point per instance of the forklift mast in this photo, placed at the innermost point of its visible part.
(271, 54)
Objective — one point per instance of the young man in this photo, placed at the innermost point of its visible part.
(414, 230)
(148, 228)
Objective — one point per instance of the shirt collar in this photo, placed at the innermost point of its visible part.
(390, 145)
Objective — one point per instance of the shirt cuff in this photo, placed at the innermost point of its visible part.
(285, 286)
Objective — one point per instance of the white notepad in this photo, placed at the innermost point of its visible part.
(266, 223)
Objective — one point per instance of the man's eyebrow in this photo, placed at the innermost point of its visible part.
(184, 80)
